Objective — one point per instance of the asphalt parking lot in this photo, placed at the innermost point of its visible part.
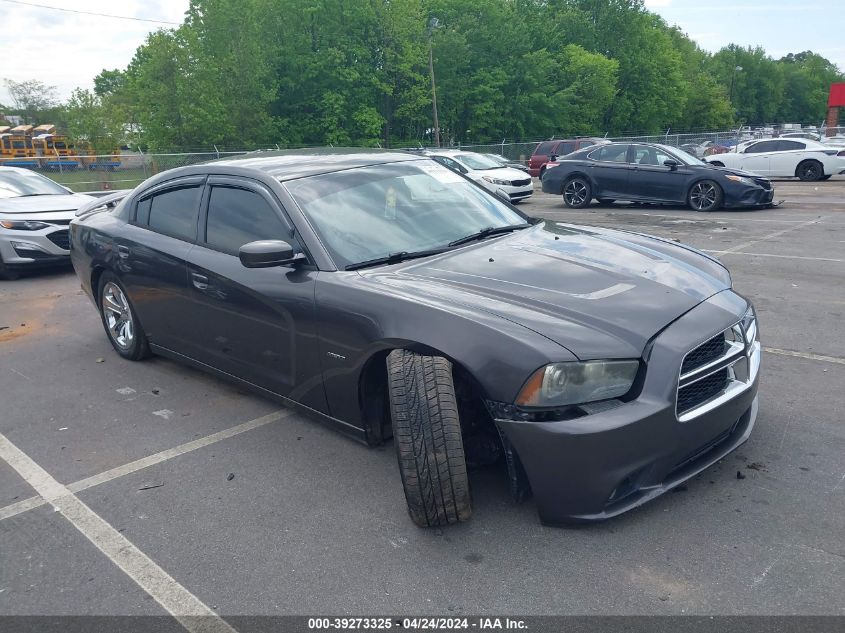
(251, 509)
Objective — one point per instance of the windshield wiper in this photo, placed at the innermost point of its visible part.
(394, 258)
(490, 230)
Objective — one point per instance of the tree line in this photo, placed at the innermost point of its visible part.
(252, 73)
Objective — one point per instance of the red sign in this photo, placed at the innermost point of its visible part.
(837, 96)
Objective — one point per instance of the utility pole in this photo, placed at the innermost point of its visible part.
(433, 23)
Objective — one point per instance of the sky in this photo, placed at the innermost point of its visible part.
(68, 50)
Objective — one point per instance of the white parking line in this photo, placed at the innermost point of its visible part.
(815, 259)
(145, 462)
(745, 245)
(807, 355)
(164, 589)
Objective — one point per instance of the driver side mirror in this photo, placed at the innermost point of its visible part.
(267, 254)
(671, 164)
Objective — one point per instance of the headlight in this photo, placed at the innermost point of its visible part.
(23, 225)
(496, 181)
(741, 179)
(562, 384)
(749, 326)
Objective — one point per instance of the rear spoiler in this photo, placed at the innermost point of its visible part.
(103, 202)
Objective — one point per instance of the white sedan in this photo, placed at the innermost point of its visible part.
(785, 158)
(507, 182)
(34, 216)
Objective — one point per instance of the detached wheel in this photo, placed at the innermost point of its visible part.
(122, 326)
(705, 195)
(427, 436)
(809, 170)
(577, 193)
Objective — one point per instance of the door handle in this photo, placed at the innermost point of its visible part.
(200, 281)
(122, 251)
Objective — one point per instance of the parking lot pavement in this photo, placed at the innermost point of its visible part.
(251, 509)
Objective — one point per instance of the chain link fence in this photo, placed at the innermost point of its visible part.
(127, 169)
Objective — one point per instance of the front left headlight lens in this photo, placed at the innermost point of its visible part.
(741, 179)
(561, 384)
(23, 225)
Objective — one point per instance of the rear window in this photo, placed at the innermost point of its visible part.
(173, 212)
(544, 149)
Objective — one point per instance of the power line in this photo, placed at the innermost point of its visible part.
(101, 15)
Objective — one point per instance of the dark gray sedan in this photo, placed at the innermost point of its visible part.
(389, 296)
(652, 173)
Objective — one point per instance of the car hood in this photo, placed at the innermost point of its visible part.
(599, 293)
(504, 173)
(735, 172)
(42, 204)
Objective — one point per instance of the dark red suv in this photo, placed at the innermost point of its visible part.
(537, 163)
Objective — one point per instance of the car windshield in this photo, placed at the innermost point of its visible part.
(685, 157)
(16, 184)
(500, 160)
(478, 162)
(407, 207)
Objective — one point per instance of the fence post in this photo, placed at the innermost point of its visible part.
(216, 151)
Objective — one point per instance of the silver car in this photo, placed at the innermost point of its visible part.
(34, 216)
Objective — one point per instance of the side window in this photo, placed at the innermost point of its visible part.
(237, 217)
(610, 153)
(762, 146)
(785, 146)
(566, 148)
(172, 212)
(543, 149)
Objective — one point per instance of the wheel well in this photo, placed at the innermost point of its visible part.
(572, 176)
(96, 273)
(483, 444)
(804, 162)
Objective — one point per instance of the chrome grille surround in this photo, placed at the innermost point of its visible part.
(740, 360)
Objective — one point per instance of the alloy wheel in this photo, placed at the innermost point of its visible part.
(575, 193)
(118, 316)
(703, 196)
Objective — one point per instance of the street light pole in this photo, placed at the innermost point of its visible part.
(433, 24)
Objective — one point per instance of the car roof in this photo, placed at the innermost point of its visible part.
(299, 163)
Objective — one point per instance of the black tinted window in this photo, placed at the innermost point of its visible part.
(543, 149)
(785, 146)
(610, 153)
(762, 146)
(237, 217)
(174, 212)
(566, 148)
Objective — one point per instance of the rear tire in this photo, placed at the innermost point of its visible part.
(826, 177)
(577, 193)
(119, 319)
(705, 195)
(809, 170)
(427, 437)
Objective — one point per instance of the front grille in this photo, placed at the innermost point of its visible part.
(521, 183)
(704, 353)
(60, 239)
(702, 390)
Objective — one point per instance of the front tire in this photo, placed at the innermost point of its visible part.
(705, 195)
(120, 321)
(427, 437)
(577, 193)
(5, 273)
(809, 171)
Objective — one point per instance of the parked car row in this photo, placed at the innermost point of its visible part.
(785, 158)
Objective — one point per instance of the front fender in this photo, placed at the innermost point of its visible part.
(357, 322)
